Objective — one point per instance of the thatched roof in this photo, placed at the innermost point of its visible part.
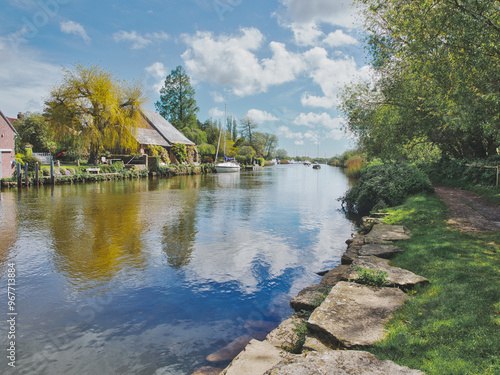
(150, 137)
(165, 129)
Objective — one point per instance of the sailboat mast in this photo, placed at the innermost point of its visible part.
(225, 130)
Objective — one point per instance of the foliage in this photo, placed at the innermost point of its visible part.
(161, 153)
(247, 127)
(195, 135)
(449, 326)
(354, 166)
(179, 151)
(34, 129)
(206, 150)
(31, 161)
(436, 80)
(177, 103)
(385, 185)
(260, 161)
(91, 103)
(371, 277)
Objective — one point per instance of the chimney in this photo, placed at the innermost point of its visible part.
(20, 116)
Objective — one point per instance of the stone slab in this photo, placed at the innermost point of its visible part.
(309, 298)
(354, 315)
(339, 362)
(230, 351)
(383, 233)
(284, 335)
(379, 250)
(255, 359)
(208, 370)
(396, 276)
(332, 277)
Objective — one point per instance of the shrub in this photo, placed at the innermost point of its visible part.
(385, 185)
(31, 162)
(179, 150)
(371, 277)
(260, 161)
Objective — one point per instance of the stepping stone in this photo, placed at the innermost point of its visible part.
(354, 315)
(379, 250)
(284, 336)
(331, 278)
(208, 370)
(309, 298)
(382, 233)
(256, 358)
(230, 351)
(396, 276)
(339, 362)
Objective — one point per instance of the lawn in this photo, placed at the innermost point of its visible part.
(451, 326)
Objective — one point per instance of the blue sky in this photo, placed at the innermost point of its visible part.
(282, 62)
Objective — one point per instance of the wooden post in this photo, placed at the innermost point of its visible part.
(19, 175)
(58, 164)
(52, 179)
(37, 176)
(26, 177)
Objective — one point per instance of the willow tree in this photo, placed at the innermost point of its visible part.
(101, 110)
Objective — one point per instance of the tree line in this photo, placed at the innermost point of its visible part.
(436, 80)
(90, 112)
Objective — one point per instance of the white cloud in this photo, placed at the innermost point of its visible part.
(331, 75)
(231, 61)
(261, 116)
(312, 136)
(334, 12)
(287, 133)
(306, 34)
(156, 74)
(338, 38)
(323, 119)
(71, 27)
(26, 79)
(298, 143)
(215, 112)
(217, 98)
(139, 41)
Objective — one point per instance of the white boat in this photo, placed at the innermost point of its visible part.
(227, 165)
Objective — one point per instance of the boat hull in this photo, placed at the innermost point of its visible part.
(227, 168)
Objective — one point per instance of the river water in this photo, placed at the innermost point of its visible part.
(151, 276)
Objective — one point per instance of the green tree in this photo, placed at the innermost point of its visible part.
(437, 70)
(247, 127)
(177, 103)
(101, 110)
(33, 128)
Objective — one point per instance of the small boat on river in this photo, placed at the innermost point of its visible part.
(316, 166)
(228, 165)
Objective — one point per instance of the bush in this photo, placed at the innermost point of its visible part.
(179, 150)
(260, 161)
(462, 172)
(385, 185)
(31, 162)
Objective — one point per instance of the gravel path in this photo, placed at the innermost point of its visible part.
(468, 211)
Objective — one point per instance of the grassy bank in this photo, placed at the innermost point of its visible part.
(451, 326)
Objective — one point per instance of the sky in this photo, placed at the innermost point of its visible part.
(282, 62)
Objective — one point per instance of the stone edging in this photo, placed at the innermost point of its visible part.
(351, 316)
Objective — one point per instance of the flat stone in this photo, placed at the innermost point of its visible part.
(382, 233)
(255, 359)
(309, 298)
(339, 362)
(208, 370)
(395, 276)
(354, 315)
(230, 351)
(332, 277)
(317, 342)
(379, 250)
(284, 335)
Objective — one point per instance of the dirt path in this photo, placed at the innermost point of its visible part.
(468, 211)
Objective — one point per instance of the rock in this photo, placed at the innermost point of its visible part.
(353, 247)
(382, 233)
(354, 314)
(396, 276)
(208, 370)
(230, 351)
(317, 342)
(349, 256)
(339, 362)
(309, 298)
(284, 336)
(332, 277)
(379, 250)
(255, 359)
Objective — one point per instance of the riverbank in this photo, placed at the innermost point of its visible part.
(447, 327)
(73, 174)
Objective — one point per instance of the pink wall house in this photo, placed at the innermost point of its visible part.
(7, 153)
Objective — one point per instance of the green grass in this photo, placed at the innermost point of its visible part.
(451, 326)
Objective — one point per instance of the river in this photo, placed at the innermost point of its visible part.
(150, 276)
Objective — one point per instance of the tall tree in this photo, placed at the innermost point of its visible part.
(437, 69)
(247, 127)
(33, 128)
(103, 111)
(177, 103)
